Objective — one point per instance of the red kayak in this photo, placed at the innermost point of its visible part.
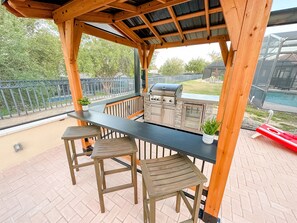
(287, 139)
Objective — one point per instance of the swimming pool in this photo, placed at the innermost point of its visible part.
(282, 98)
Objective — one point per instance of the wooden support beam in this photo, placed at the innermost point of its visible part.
(128, 32)
(90, 30)
(12, 10)
(145, 56)
(173, 16)
(32, 9)
(224, 51)
(233, 11)
(154, 31)
(192, 42)
(123, 6)
(96, 17)
(226, 85)
(147, 8)
(69, 40)
(76, 8)
(206, 9)
(252, 31)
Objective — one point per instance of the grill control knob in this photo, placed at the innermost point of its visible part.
(170, 100)
(164, 99)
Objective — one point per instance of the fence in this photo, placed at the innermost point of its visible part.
(19, 98)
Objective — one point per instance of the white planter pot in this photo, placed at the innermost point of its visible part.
(85, 107)
(207, 139)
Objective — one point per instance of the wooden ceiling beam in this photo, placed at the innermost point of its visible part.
(165, 21)
(179, 18)
(206, 8)
(90, 30)
(192, 42)
(32, 9)
(96, 17)
(162, 1)
(128, 32)
(147, 8)
(187, 32)
(12, 10)
(176, 23)
(102, 8)
(123, 6)
(154, 31)
(76, 8)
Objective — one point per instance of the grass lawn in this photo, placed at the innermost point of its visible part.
(202, 87)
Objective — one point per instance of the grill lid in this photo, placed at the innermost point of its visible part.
(163, 89)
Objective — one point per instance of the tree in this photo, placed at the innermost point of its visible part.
(173, 66)
(29, 49)
(196, 65)
(215, 56)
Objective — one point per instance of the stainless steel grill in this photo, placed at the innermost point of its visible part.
(165, 93)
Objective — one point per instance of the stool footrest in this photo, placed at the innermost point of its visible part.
(108, 172)
(83, 164)
(187, 221)
(116, 188)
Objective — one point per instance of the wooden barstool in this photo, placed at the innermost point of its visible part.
(73, 133)
(167, 177)
(112, 148)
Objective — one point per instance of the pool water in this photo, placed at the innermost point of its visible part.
(282, 98)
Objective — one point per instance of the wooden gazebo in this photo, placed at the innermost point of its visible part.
(153, 24)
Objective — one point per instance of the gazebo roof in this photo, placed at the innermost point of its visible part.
(162, 23)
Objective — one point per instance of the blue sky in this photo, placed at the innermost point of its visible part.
(202, 51)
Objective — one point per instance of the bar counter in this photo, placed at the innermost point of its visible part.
(179, 141)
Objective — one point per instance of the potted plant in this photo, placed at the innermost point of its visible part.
(84, 102)
(209, 128)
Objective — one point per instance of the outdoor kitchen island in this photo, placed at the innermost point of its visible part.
(176, 140)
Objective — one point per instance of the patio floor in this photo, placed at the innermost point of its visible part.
(261, 188)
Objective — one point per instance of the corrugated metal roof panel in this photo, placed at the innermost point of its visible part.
(166, 28)
(198, 35)
(218, 32)
(216, 19)
(152, 41)
(173, 39)
(142, 33)
(188, 24)
(132, 22)
(214, 4)
(189, 7)
(158, 15)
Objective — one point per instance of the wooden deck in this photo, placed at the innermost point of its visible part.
(261, 188)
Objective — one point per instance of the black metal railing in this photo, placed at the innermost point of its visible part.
(18, 98)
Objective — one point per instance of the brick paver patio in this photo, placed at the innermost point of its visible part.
(261, 188)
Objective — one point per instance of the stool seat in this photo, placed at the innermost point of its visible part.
(79, 132)
(112, 148)
(71, 134)
(170, 174)
(166, 177)
(106, 148)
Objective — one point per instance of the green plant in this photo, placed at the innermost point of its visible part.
(84, 101)
(210, 126)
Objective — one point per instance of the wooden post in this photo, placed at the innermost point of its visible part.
(70, 35)
(145, 56)
(254, 22)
